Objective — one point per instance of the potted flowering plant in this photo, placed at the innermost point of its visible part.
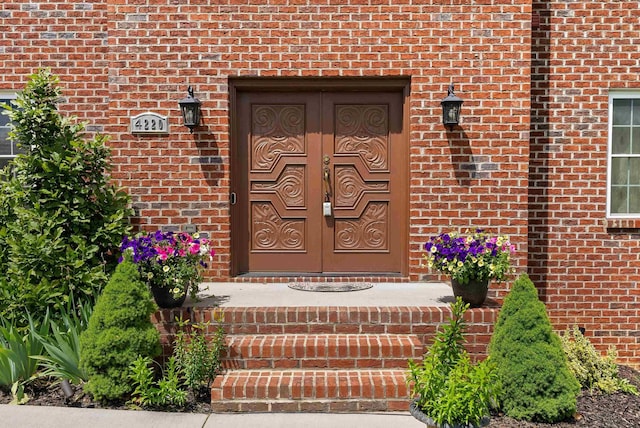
(471, 261)
(172, 263)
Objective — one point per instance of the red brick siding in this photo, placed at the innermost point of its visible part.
(118, 58)
(587, 268)
(477, 176)
(70, 37)
(473, 176)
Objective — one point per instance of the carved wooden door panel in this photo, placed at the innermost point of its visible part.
(363, 136)
(279, 146)
(299, 150)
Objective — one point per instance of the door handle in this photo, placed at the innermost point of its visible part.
(327, 177)
(326, 205)
(327, 183)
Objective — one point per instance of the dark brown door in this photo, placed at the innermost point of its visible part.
(298, 151)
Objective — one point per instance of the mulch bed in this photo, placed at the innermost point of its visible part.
(45, 394)
(594, 410)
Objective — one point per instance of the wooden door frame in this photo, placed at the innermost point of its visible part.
(295, 84)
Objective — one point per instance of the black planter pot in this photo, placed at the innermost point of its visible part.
(430, 423)
(164, 297)
(474, 292)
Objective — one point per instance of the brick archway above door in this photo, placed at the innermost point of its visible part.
(320, 179)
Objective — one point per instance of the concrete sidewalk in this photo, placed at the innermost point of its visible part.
(69, 417)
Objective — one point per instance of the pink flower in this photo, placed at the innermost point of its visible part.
(162, 254)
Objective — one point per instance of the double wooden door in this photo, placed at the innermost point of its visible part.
(321, 184)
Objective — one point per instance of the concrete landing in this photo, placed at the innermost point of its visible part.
(280, 295)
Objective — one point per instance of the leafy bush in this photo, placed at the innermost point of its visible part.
(537, 384)
(194, 365)
(592, 370)
(119, 331)
(61, 220)
(448, 387)
(165, 392)
(198, 360)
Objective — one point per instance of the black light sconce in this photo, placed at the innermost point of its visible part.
(190, 108)
(451, 109)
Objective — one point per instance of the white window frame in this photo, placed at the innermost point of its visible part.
(613, 95)
(7, 96)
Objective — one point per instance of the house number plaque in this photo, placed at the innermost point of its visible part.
(149, 123)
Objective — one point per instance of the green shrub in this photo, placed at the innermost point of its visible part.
(120, 330)
(593, 371)
(198, 360)
(447, 386)
(537, 384)
(165, 392)
(61, 220)
(194, 365)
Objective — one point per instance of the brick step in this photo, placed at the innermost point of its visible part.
(322, 320)
(322, 351)
(258, 377)
(310, 391)
(421, 322)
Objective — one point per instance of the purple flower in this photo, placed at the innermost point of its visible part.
(476, 256)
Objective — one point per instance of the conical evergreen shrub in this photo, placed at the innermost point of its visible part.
(537, 384)
(119, 331)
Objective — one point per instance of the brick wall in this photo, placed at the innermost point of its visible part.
(118, 58)
(473, 176)
(587, 268)
(142, 56)
(70, 37)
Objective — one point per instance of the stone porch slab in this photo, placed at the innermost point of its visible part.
(236, 294)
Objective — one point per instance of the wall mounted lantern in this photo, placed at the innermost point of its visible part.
(190, 108)
(451, 109)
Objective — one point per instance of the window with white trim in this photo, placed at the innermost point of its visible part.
(623, 195)
(8, 149)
